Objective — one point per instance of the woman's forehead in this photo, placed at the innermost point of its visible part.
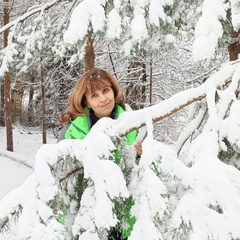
(94, 85)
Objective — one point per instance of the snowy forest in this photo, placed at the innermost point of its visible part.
(178, 63)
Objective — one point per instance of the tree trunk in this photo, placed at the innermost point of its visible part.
(150, 83)
(136, 89)
(8, 112)
(234, 48)
(2, 112)
(89, 55)
(17, 95)
(44, 125)
(7, 85)
(30, 104)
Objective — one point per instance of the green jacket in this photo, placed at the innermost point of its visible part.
(79, 127)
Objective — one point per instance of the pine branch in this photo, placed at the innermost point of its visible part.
(77, 169)
(199, 98)
(169, 113)
(5, 222)
(193, 95)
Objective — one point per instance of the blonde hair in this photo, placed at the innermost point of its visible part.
(90, 81)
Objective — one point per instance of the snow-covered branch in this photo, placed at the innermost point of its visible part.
(79, 182)
(176, 102)
(29, 14)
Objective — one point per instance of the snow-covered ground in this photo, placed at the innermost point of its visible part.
(16, 166)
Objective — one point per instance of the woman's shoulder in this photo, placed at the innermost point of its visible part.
(78, 128)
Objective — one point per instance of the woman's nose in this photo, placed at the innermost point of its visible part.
(102, 97)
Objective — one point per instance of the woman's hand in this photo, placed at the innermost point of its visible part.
(138, 147)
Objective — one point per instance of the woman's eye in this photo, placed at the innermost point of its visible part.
(93, 95)
(105, 90)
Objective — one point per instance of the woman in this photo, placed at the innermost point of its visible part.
(96, 94)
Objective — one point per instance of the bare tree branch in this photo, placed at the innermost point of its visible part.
(5, 222)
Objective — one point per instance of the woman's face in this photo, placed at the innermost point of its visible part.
(101, 101)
